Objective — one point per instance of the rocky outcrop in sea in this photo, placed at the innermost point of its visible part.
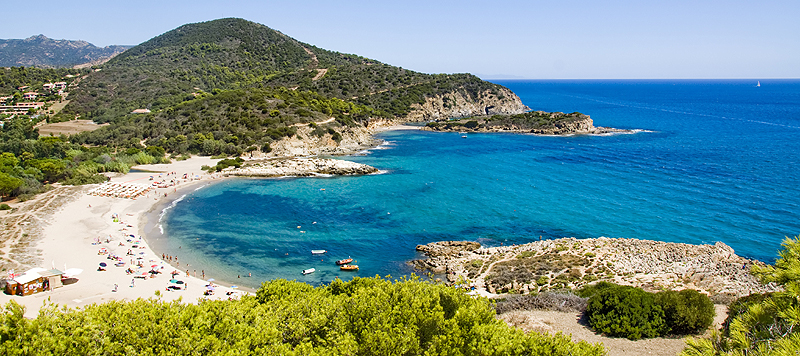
(556, 124)
(572, 263)
(300, 167)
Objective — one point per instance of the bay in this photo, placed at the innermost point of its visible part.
(716, 161)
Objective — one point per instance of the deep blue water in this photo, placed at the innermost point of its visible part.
(718, 162)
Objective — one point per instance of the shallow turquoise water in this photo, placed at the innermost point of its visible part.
(718, 163)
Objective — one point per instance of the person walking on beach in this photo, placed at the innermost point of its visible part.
(115, 287)
(133, 282)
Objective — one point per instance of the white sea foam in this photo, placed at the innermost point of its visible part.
(164, 212)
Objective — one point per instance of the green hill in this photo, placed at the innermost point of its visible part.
(230, 54)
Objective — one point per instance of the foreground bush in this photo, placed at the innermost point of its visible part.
(687, 311)
(628, 312)
(762, 324)
(365, 316)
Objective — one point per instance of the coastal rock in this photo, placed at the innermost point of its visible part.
(448, 248)
(301, 167)
(571, 263)
(305, 143)
(565, 124)
(460, 104)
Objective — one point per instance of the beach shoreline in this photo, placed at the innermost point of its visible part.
(80, 225)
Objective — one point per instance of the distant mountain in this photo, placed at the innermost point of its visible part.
(44, 52)
(230, 54)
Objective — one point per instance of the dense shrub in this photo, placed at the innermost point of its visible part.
(5, 206)
(687, 311)
(626, 312)
(365, 316)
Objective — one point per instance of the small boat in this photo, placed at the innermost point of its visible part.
(318, 252)
(349, 268)
(344, 261)
(463, 135)
(759, 84)
(308, 271)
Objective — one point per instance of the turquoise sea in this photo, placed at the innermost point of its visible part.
(717, 161)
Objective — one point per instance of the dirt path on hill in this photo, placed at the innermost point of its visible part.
(314, 64)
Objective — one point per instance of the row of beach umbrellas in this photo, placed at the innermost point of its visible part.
(120, 190)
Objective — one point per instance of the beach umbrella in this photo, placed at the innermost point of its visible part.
(103, 264)
(179, 282)
(153, 266)
(210, 280)
(234, 287)
(210, 287)
(174, 281)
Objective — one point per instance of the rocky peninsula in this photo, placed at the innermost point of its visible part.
(571, 263)
(300, 167)
(534, 122)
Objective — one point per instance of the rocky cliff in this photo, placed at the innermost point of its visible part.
(460, 104)
(306, 143)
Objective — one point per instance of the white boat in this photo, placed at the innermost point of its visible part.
(759, 84)
(318, 252)
(308, 271)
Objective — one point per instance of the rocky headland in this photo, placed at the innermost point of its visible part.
(572, 263)
(347, 140)
(300, 167)
(534, 122)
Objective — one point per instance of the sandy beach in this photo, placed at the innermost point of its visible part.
(68, 228)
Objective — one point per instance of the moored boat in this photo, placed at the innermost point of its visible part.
(318, 252)
(310, 270)
(349, 268)
(344, 261)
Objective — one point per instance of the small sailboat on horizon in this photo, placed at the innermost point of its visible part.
(759, 84)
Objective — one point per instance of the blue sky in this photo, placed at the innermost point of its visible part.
(645, 39)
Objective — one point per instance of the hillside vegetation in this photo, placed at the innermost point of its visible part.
(365, 316)
(229, 122)
(232, 54)
(14, 77)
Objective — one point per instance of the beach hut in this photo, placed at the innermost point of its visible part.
(26, 284)
(34, 281)
(52, 279)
